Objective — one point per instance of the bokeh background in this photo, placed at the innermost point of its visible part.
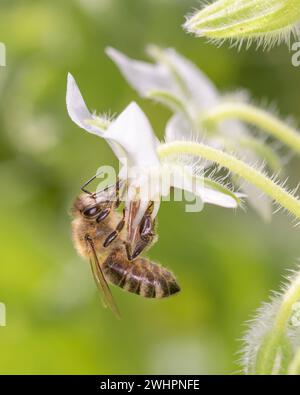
(226, 262)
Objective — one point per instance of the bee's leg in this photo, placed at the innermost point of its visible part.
(118, 202)
(128, 251)
(139, 248)
(146, 229)
(104, 213)
(109, 206)
(113, 235)
(146, 232)
(141, 245)
(147, 224)
(146, 235)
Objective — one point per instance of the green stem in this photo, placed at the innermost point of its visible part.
(294, 367)
(257, 117)
(242, 169)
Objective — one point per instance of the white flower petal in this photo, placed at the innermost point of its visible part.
(217, 198)
(133, 132)
(144, 77)
(200, 94)
(175, 74)
(183, 179)
(80, 114)
(130, 135)
(178, 128)
(204, 93)
(77, 108)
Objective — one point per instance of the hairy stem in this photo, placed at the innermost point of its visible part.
(242, 169)
(257, 117)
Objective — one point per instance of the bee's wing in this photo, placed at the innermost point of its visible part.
(101, 282)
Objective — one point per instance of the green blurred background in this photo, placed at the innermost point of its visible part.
(226, 262)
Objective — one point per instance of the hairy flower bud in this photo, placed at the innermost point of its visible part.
(272, 343)
(268, 22)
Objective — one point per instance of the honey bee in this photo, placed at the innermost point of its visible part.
(113, 246)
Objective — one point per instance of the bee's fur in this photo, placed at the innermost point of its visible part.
(139, 276)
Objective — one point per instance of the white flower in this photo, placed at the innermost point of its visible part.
(177, 83)
(134, 143)
(132, 120)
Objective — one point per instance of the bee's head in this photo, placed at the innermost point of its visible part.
(83, 201)
(88, 207)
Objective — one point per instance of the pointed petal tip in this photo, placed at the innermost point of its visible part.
(114, 54)
(76, 106)
(72, 87)
(109, 50)
(135, 110)
(220, 200)
(70, 80)
(134, 106)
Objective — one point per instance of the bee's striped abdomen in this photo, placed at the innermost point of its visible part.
(140, 276)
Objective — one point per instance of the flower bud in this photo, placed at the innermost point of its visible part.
(264, 21)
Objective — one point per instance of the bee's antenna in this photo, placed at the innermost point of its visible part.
(87, 183)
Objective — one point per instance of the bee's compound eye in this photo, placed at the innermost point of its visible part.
(91, 211)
